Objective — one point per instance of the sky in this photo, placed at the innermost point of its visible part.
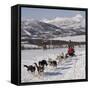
(39, 14)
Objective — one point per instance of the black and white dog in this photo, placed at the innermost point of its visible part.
(40, 68)
(30, 68)
(53, 63)
(43, 63)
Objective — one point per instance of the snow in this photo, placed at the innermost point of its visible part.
(30, 46)
(28, 33)
(75, 22)
(68, 69)
(78, 38)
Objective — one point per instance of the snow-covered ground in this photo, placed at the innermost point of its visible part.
(78, 38)
(71, 68)
(30, 46)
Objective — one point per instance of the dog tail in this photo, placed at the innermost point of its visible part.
(26, 66)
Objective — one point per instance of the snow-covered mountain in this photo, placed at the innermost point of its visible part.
(68, 22)
(39, 29)
(59, 26)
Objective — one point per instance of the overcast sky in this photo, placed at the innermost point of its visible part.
(38, 13)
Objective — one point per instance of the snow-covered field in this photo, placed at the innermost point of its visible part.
(71, 68)
(78, 38)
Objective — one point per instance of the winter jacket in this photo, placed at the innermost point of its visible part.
(70, 50)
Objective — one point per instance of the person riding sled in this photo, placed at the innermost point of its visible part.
(71, 50)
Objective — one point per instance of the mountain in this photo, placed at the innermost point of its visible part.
(75, 22)
(39, 29)
(70, 24)
(57, 27)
